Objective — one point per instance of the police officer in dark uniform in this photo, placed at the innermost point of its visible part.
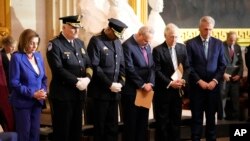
(71, 74)
(247, 60)
(106, 55)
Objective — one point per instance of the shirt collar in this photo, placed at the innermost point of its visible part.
(67, 38)
(169, 47)
(205, 39)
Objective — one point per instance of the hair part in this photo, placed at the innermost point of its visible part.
(25, 39)
(171, 27)
(231, 33)
(146, 30)
(207, 19)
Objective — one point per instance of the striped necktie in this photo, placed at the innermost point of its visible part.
(205, 44)
(145, 55)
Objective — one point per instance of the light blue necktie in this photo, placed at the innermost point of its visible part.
(205, 44)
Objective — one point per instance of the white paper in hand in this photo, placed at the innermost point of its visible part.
(176, 75)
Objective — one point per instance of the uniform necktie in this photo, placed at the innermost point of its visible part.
(231, 52)
(144, 52)
(72, 43)
(205, 44)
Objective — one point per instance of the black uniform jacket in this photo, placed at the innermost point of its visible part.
(67, 63)
(108, 66)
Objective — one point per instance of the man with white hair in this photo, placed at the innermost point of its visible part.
(139, 68)
(170, 57)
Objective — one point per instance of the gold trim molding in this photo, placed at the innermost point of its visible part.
(144, 11)
(140, 8)
(221, 33)
(5, 22)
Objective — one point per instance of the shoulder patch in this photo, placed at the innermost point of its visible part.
(49, 46)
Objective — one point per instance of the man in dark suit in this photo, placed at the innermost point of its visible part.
(106, 55)
(71, 74)
(247, 59)
(139, 75)
(207, 64)
(233, 73)
(169, 57)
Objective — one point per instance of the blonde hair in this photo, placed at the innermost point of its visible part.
(231, 33)
(8, 41)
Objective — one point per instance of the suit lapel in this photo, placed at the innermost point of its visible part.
(27, 62)
(109, 44)
(236, 55)
(167, 56)
(29, 66)
(227, 56)
(39, 65)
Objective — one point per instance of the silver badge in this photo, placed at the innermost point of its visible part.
(67, 54)
(49, 46)
(105, 49)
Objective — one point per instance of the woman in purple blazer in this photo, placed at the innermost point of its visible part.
(29, 85)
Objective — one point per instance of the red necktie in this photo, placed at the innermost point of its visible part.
(231, 52)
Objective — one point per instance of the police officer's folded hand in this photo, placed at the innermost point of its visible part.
(116, 87)
(82, 83)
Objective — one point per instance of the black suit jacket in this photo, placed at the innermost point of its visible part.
(235, 61)
(138, 71)
(247, 60)
(164, 66)
(206, 69)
